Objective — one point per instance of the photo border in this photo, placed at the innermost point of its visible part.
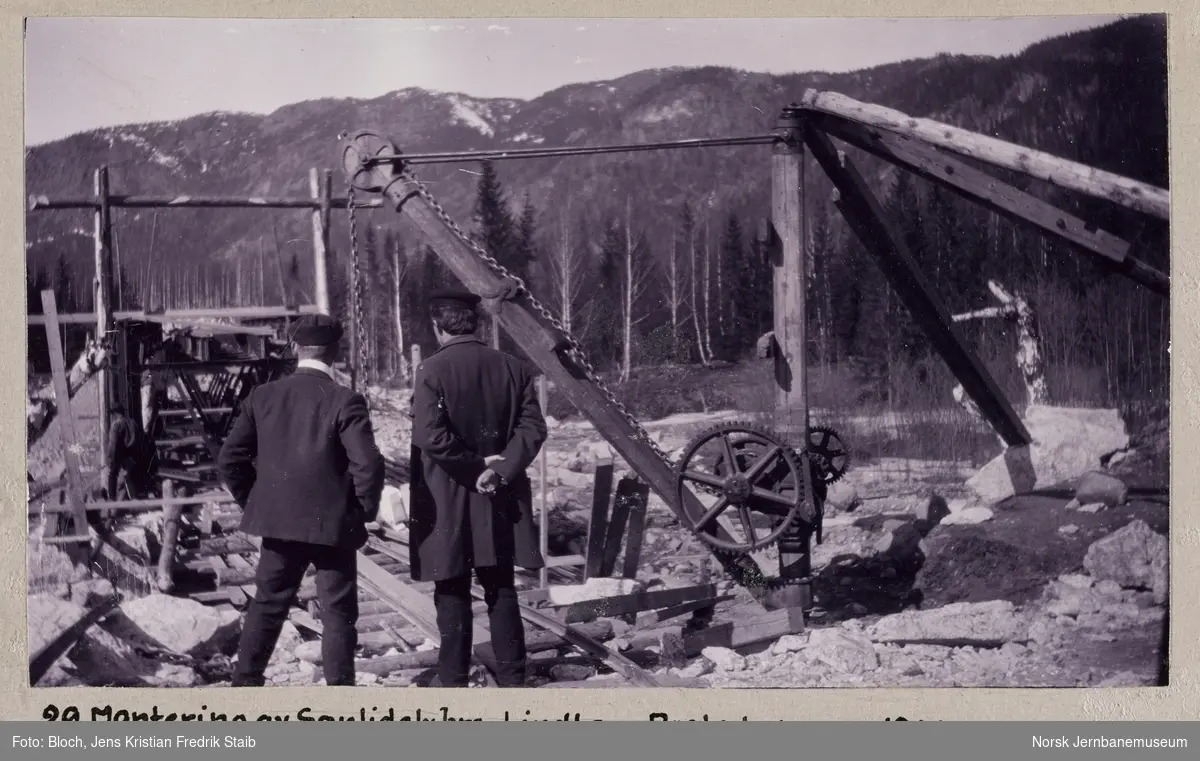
(1180, 700)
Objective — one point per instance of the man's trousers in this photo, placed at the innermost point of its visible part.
(281, 568)
(455, 625)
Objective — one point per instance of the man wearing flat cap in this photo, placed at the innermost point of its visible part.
(302, 463)
(477, 425)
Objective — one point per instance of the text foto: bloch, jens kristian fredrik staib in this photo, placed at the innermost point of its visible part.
(132, 741)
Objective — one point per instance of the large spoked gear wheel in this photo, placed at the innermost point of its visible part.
(764, 487)
(830, 455)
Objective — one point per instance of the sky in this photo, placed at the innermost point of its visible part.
(84, 73)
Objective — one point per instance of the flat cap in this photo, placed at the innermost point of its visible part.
(317, 330)
(450, 297)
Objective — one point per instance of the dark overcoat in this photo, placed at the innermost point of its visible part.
(302, 462)
(471, 402)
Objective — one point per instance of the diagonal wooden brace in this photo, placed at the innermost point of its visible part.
(980, 187)
(864, 215)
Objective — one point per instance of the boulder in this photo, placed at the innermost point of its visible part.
(1067, 442)
(901, 545)
(309, 652)
(985, 624)
(1095, 487)
(181, 625)
(842, 651)
(842, 496)
(968, 516)
(789, 643)
(724, 658)
(930, 513)
(696, 669)
(1136, 557)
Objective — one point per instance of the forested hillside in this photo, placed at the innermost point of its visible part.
(684, 219)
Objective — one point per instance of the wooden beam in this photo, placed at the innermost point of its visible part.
(611, 607)
(138, 504)
(45, 203)
(170, 539)
(182, 315)
(598, 522)
(1071, 175)
(319, 187)
(864, 215)
(68, 431)
(624, 502)
(546, 347)
(997, 196)
(543, 507)
(637, 530)
(103, 298)
(790, 351)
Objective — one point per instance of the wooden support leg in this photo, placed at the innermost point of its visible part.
(170, 539)
(864, 215)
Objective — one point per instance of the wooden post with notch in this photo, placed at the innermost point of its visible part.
(170, 538)
(103, 299)
(543, 508)
(68, 432)
(790, 349)
(320, 187)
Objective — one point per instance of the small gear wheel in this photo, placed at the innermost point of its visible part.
(831, 456)
(749, 469)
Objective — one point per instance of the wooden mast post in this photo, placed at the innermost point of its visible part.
(103, 300)
(791, 330)
(320, 187)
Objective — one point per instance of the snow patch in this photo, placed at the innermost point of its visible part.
(666, 113)
(157, 156)
(466, 112)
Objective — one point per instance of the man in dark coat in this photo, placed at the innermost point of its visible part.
(478, 426)
(302, 462)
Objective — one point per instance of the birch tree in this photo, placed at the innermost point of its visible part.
(634, 283)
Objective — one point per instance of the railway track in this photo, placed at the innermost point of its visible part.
(395, 613)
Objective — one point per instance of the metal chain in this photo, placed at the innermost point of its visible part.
(575, 349)
(360, 360)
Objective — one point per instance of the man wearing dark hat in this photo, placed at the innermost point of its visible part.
(478, 426)
(302, 463)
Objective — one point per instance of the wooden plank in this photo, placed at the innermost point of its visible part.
(1097, 183)
(170, 539)
(565, 561)
(417, 608)
(546, 347)
(865, 217)
(624, 501)
(651, 618)
(764, 628)
(68, 432)
(141, 504)
(609, 607)
(181, 315)
(617, 662)
(640, 499)
(535, 642)
(598, 522)
(997, 196)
